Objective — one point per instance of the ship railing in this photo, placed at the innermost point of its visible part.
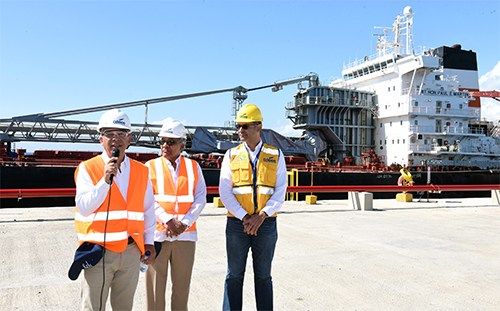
(444, 148)
(421, 50)
(458, 149)
(484, 164)
(477, 131)
(445, 111)
(326, 100)
(388, 55)
(420, 148)
(214, 190)
(444, 130)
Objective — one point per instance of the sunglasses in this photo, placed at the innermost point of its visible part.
(246, 125)
(170, 142)
(114, 133)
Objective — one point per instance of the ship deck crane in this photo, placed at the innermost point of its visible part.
(491, 94)
(49, 127)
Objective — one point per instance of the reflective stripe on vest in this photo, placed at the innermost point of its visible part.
(242, 176)
(125, 217)
(178, 199)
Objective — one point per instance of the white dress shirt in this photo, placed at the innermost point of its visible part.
(89, 196)
(200, 200)
(274, 203)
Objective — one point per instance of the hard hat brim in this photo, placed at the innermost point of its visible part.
(117, 127)
(170, 135)
(246, 120)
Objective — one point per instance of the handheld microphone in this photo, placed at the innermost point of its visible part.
(114, 154)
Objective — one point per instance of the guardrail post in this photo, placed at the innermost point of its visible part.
(353, 198)
(360, 200)
(366, 201)
(293, 180)
(495, 197)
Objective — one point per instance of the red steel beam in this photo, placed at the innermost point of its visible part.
(37, 193)
(70, 192)
(391, 188)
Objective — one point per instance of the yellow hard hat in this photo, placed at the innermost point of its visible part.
(249, 113)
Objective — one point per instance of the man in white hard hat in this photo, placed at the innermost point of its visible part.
(115, 211)
(180, 195)
(252, 186)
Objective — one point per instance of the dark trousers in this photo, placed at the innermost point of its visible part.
(237, 245)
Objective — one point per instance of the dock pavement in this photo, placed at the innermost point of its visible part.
(443, 254)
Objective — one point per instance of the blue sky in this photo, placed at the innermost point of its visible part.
(59, 55)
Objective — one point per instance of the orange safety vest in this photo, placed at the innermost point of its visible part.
(175, 200)
(244, 189)
(125, 217)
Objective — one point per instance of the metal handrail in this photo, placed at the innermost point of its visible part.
(69, 192)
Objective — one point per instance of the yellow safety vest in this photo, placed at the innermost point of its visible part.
(253, 193)
(175, 200)
(125, 217)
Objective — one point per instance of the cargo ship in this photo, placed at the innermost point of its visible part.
(397, 108)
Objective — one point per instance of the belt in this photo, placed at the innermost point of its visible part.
(130, 240)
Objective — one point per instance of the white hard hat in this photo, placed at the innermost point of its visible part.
(173, 129)
(115, 119)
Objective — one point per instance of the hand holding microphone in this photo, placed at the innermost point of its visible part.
(112, 167)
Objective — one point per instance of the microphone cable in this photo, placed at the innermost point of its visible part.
(104, 246)
(114, 153)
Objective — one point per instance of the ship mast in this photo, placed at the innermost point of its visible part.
(402, 29)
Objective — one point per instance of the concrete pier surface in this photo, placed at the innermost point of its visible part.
(444, 254)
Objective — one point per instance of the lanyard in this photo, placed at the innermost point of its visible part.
(254, 174)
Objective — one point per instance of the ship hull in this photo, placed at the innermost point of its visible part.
(23, 177)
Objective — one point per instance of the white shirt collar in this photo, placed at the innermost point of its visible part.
(177, 161)
(257, 148)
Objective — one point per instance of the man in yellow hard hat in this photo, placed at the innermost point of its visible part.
(252, 186)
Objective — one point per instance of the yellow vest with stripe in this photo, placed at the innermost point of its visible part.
(125, 217)
(175, 200)
(243, 180)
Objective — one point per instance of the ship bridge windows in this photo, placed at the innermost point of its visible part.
(415, 103)
(367, 70)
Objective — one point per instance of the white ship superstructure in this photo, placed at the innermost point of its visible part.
(424, 108)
